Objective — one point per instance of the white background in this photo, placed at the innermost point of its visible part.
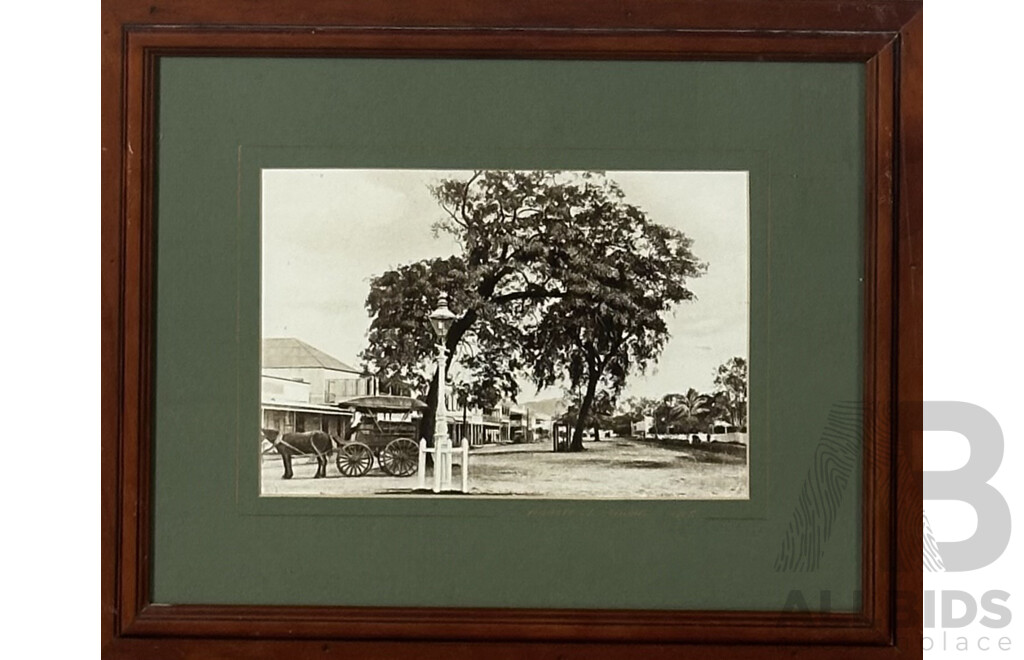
(974, 140)
(50, 266)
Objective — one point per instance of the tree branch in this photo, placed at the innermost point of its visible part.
(528, 294)
(465, 194)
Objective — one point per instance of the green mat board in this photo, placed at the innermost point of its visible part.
(796, 128)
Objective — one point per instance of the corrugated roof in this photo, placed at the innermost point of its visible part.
(291, 353)
(384, 402)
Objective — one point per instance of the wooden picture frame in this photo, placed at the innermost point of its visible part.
(884, 35)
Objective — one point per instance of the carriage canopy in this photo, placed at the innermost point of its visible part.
(383, 403)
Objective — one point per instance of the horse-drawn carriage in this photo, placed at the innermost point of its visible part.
(391, 442)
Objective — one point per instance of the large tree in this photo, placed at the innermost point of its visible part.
(555, 264)
(591, 351)
(402, 346)
(505, 222)
(621, 274)
(601, 414)
(400, 342)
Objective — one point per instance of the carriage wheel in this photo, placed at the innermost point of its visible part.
(354, 459)
(399, 458)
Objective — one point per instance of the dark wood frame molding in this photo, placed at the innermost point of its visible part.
(885, 35)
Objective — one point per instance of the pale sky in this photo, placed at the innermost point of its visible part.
(327, 232)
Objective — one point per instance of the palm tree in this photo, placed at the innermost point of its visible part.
(689, 409)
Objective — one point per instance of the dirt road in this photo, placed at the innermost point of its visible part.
(615, 468)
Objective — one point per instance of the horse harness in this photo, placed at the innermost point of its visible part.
(316, 451)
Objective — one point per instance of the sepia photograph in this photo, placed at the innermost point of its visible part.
(505, 333)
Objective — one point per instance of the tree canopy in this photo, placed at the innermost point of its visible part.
(559, 279)
(620, 277)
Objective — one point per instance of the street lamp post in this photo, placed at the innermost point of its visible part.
(441, 319)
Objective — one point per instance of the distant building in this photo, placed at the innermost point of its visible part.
(527, 425)
(722, 431)
(478, 427)
(541, 425)
(506, 422)
(643, 427)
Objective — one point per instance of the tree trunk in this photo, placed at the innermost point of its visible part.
(581, 417)
(430, 414)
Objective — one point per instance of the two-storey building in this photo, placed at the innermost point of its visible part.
(301, 386)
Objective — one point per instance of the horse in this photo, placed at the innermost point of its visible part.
(315, 443)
